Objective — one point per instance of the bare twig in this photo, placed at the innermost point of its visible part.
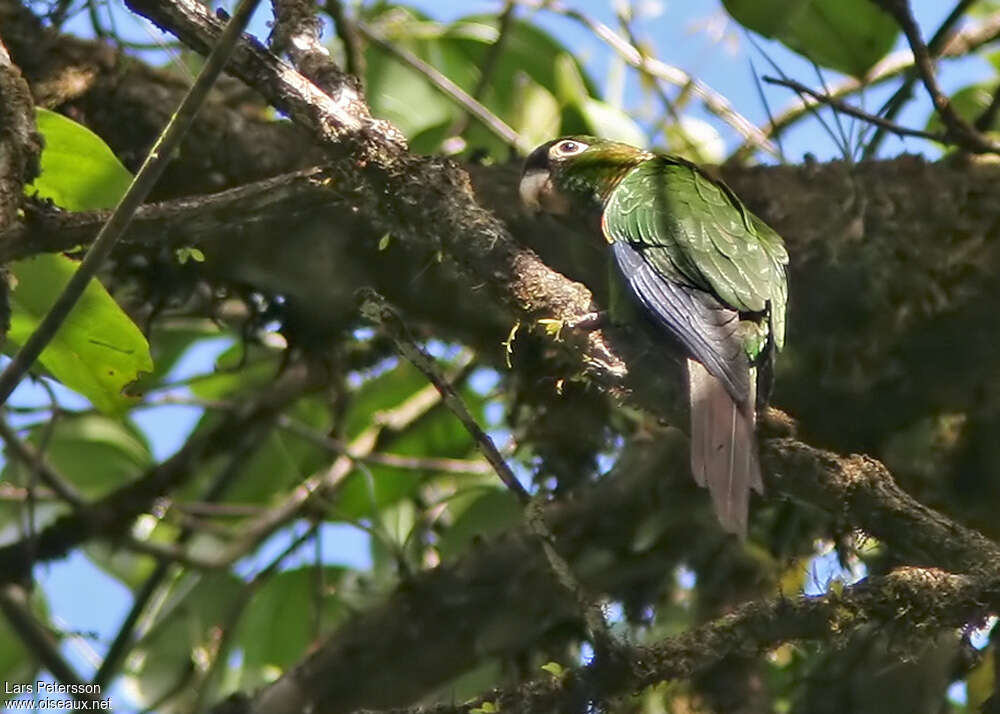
(375, 308)
(40, 642)
(111, 515)
(235, 612)
(895, 103)
(126, 636)
(296, 33)
(491, 121)
(35, 461)
(354, 52)
(713, 101)
(321, 485)
(855, 112)
(958, 131)
(489, 65)
(338, 117)
(957, 45)
(399, 461)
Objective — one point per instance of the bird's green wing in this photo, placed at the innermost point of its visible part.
(694, 231)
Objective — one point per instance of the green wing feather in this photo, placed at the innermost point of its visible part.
(694, 231)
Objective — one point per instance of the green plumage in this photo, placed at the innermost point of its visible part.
(694, 231)
(702, 268)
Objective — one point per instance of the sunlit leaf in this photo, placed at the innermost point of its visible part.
(609, 122)
(537, 117)
(969, 103)
(981, 682)
(846, 35)
(78, 170)
(185, 631)
(303, 601)
(98, 350)
(696, 140)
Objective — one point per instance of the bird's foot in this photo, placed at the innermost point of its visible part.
(588, 322)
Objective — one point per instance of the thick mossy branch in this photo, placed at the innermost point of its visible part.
(908, 600)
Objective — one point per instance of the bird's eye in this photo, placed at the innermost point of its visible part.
(568, 147)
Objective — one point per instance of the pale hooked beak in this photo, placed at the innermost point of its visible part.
(532, 184)
(538, 194)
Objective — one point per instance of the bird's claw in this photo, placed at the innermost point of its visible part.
(588, 322)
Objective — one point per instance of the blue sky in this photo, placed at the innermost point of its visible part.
(86, 600)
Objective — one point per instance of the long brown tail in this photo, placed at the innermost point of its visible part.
(723, 447)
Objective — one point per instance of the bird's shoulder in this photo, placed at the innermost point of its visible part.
(692, 228)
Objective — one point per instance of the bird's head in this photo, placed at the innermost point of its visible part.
(575, 171)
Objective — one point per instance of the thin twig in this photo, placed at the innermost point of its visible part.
(855, 112)
(375, 308)
(491, 121)
(986, 120)
(399, 461)
(669, 106)
(715, 102)
(159, 156)
(126, 637)
(958, 45)
(354, 53)
(227, 629)
(323, 484)
(895, 103)
(40, 642)
(35, 461)
(958, 131)
(490, 62)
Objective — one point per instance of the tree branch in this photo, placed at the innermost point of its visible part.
(856, 489)
(111, 515)
(960, 131)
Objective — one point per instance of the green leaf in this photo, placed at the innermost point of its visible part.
(493, 512)
(846, 35)
(969, 103)
(187, 253)
(981, 682)
(610, 122)
(570, 85)
(404, 96)
(696, 140)
(293, 599)
(537, 117)
(79, 171)
(18, 664)
(459, 51)
(184, 633)
(554, 668)
(98, 350)
(95, 453)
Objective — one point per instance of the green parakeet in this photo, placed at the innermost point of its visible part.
(703, 270)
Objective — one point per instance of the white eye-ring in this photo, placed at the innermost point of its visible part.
(568, 147)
